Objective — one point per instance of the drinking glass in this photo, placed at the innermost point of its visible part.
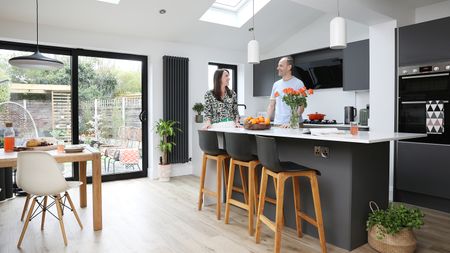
(354, 128)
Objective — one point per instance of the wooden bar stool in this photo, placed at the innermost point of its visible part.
(239, 148)
(281, 171)
(210, 146)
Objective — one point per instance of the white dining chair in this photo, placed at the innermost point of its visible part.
(39, 176)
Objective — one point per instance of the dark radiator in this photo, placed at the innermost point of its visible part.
(175, 97)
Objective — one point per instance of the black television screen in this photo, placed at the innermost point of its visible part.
(321, 74)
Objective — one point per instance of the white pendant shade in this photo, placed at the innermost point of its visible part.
(253, 52)
(36, 61)
(338, 33)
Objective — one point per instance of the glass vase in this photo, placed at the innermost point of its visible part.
(295, 118)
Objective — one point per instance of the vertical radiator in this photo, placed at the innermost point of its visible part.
(176, 103)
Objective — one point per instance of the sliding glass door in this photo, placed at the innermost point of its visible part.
(110, 106)
(97, 99)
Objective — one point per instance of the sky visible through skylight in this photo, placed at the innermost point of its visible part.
(230, 3)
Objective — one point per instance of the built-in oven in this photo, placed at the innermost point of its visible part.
(423, 102)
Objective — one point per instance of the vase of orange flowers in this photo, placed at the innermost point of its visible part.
(295, 99)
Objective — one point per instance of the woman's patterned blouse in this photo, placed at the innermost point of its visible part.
(218, 111)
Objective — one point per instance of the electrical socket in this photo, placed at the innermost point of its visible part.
(317, 151)
(324, 152)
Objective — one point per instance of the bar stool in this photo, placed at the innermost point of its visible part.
(211, 151)
(239, 148)
(281, 171)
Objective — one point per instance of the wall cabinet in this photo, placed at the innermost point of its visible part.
(355, 69)
(424, 42)
(264, 75)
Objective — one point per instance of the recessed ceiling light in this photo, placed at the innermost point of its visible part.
(162, 11)
(110, 1)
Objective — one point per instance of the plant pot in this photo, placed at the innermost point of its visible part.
(164, 172)
(402, 242)
(198, 118)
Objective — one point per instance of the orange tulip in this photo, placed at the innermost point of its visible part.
(302, 89)
(277, 94)
(311, 91)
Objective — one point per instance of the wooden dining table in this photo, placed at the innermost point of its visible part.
(9, 159)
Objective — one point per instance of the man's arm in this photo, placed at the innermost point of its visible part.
(271, 108)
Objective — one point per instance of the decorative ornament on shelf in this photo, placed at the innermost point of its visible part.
(36, 60)
(338, 31)
(295, 99)
(253, 45)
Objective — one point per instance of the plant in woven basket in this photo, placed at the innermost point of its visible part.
(394, 219)
(294, 99)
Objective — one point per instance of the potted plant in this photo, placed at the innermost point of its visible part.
(391, 230)
(198, 107)
(165, 129)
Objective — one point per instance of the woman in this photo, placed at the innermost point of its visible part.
(221, 103)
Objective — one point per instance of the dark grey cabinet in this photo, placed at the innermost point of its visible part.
(264, 75)
(424, 42)
(355, 69)
(423, 168)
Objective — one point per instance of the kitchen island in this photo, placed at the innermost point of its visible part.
(355, 170)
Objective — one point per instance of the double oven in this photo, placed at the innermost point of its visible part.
(423, 102)
(422, 169)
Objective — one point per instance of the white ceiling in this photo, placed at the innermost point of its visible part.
(274, 23)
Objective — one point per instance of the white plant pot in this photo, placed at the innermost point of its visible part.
(164, 172)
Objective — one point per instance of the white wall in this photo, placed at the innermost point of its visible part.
(434, 11)
(382, 84)
(315, 36)
(198, 66)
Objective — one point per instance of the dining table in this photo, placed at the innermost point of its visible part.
(8, 160)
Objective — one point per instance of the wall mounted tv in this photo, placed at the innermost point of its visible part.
(321, 74)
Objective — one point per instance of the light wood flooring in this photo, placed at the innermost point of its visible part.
(149, 216)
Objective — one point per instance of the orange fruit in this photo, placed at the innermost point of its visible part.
(254, 121)
(267, 121)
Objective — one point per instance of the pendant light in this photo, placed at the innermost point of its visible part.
(253, 45)
(36, 60)
(338, 32)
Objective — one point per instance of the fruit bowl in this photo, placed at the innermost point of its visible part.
(256, 126)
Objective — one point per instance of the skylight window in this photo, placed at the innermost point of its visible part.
(233, 13)
(110, 1)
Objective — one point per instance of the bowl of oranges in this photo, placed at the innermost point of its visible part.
(257, 123)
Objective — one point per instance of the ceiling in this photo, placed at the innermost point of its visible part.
(140, 18)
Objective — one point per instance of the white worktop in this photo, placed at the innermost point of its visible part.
(334, 125)
(365, 137)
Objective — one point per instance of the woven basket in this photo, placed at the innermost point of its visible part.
(402, 242)
(256, 126)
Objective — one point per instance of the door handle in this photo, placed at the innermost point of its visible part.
(143, 116)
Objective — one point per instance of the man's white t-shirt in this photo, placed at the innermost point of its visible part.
(282, 110)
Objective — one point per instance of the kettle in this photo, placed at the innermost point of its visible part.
(364, 116)
(349, 114)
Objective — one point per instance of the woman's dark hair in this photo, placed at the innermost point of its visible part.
(218, 83)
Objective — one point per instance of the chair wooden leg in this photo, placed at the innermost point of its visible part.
(44, 211)
(229, 190)
(251, 199)
(219, 187)
(262, 200)
(256, 191)
(279, 212)
(318, 211)
(202, 182)
(226, 170)
(275, 187)
(298, 219)
(243, 184)
(73, 209)
(60, 217)
(25, 226)
(25, 206)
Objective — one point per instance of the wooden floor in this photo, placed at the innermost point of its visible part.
(149, 216)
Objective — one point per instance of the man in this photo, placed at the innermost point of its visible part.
(276, 104)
